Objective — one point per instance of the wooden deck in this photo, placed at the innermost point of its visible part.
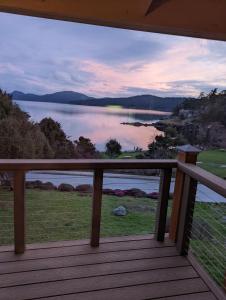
(121, 268)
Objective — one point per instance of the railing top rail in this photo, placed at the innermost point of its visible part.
(84, 164)
(212, 181)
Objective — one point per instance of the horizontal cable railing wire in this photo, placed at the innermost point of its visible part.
(216, 231)
(195, 236)
(215, 268)
(208, 238)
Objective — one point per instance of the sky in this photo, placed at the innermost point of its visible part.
(44, 56)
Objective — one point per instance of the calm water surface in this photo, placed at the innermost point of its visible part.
(98, 123)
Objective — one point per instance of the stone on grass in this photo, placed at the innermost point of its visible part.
(153, 195)
(84, 188)
(135, 193)
(65, 187)
(34, 184)
(48, 186)
(38, 184)
(119, 193)
(120, 211)
(108, 192)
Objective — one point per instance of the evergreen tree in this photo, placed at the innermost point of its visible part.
(84, 148)
(113, 148)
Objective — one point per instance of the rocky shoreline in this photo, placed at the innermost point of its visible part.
(137, 124)
(210, 135)
(88, 189)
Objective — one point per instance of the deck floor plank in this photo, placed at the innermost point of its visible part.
(144, 292)
(85, 259)
(83, 249)
(82, 285)
(66, 243)
(91, 270)
(120, 269)
(196, 296)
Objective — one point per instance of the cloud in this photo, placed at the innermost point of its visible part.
(139, 91)
(177, 88)
(41, 56)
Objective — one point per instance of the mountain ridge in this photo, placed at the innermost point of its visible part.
(136, 102)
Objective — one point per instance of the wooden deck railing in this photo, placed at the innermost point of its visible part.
(187, 177)
(20, 167)
(192, 176)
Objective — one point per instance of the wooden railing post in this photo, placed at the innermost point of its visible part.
(186, 154)
(161, 214)
(186, 214)
(96, 213)
(19, 211)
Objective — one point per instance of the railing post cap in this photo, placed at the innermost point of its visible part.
(188, 149)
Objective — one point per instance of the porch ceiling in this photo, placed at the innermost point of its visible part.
(202, 18)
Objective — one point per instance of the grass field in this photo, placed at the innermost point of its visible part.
(209, 236)
(213, 161)
(53, 216)
(124, 154)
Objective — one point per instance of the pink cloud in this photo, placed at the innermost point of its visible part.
(184, 61)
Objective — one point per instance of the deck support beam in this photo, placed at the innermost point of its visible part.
(186, 215)
(96, 212)
(186, 154)
(19, 211)
(161, 214)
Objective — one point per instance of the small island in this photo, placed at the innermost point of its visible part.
(137, 124)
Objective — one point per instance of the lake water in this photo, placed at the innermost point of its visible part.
(98, 123)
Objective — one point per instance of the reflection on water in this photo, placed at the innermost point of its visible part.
(98, 123)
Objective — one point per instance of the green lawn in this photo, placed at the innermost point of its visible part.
(208, 238)
(131, 154)
(53, 216)
(124, 154)
(213, 161)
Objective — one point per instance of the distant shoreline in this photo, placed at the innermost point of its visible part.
(136, 110)
(164, 113)
(144, 102)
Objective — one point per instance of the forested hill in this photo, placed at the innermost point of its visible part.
(135, 102)
(138, 102)
(58, 97)
(201, 121)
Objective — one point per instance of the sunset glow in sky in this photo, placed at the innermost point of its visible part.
(44, 56)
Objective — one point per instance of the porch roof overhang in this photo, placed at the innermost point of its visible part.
(202, 18)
